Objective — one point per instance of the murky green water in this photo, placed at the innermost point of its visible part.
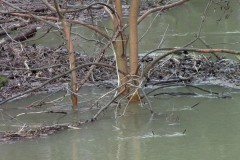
(174, 28)
(211, 131)
(211, 128)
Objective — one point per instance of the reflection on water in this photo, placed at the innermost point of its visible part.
(176, 131)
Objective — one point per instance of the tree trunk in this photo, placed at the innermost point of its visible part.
(67, 32)
(133, 36)
(72, 64)
(119, 46)
(133, 39)
(70, 48)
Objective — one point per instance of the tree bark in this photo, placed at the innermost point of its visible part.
(72, 64)
(70, 48)
(119, 46)
(133, 36)
(133, 39)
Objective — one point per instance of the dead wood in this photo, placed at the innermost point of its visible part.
(12, 28)
(20, 37)
(54, 78)
(32, 133)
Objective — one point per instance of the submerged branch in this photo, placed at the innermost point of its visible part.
(160, 8)
(56, 77)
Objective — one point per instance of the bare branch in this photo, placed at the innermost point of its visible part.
(56, 77)
(161, 8)
(49, 5)
(30, 15)
(68, 20)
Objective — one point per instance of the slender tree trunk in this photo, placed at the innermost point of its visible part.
(70, 48)
(119, 46)
(133, 36)
(133, 39)
(72, 64)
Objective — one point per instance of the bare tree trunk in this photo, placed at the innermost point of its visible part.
(119, 46)
(67, 32)
(72, 64)
(133, 39)
(133, 36)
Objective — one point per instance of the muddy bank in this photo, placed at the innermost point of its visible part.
(198, 69)
(27, 67)
(12, 22)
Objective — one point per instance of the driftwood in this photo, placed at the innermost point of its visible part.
(20, 37)
(32, 133)
(57, 77)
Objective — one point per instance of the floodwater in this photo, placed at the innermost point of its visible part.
(173, 28)
(176, 131)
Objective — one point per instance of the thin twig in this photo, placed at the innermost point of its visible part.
(54, 78)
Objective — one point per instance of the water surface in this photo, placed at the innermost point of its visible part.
(176, 131)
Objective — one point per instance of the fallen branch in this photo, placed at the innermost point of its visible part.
(56, 77)
(21, 37)
(12, 28)
(68, 20)
(161, 8)
(40, 112)
(105, 107)
(33, 133)
(177, 94)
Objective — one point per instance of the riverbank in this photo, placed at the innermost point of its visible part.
(29, 66)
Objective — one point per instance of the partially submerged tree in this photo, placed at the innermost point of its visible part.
(131, 73)
(70, 48)
(133, 79)
(133, 40)
(128, 76)
(120, 46)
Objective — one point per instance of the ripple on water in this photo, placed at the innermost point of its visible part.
(150, 135)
